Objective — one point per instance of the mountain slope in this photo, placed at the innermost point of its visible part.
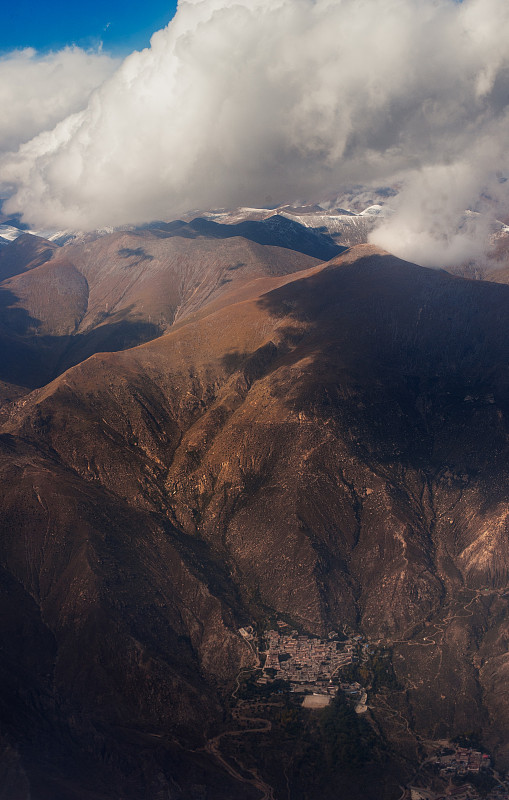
(330, 445)
(58, 306)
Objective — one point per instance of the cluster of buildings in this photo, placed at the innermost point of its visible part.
(304, 660)
(460, 762)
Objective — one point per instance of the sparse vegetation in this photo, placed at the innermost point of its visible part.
(347, 738)
(471, 739)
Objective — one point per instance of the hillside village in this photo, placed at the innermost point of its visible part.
(303, 660)
(312, 667)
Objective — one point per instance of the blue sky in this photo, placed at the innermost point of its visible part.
(122, 25)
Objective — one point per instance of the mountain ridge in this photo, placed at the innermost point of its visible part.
(327, 445)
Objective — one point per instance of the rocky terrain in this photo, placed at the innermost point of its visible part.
(324, 440)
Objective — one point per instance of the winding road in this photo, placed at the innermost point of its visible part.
(213, 748)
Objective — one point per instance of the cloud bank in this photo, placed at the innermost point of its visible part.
(37, 92)
(248, 102)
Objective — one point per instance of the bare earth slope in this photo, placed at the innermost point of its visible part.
(330, 445)
(60, 305)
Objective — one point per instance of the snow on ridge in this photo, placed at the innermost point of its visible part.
(10, 233)
(374, 211)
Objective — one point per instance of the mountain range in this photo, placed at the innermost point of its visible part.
(216, 422)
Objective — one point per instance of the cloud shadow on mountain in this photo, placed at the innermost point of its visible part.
(394, 354)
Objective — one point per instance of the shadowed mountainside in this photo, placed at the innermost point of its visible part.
(330, 445)
(23, 254)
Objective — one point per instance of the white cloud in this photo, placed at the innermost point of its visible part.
(239, 100)
(444, 212)
(37, 92)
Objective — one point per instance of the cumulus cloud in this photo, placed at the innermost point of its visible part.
(434, 224)
(37, 92)
(237, 101)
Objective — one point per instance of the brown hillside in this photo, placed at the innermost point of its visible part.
(115, 291)
(331, 446)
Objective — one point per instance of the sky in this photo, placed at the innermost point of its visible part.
(119, 25)
(246, 102)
